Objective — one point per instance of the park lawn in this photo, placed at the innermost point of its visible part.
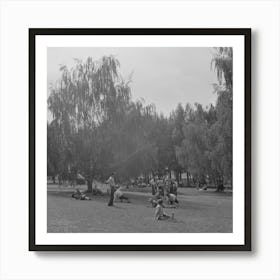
(198, 211)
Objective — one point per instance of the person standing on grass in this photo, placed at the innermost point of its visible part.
(111, 182)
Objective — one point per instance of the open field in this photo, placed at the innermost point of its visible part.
(198, 211)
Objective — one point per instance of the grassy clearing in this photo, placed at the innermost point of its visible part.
(197, 212)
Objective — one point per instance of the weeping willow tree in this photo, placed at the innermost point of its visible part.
(222, 64)
(221, 155)
(87, 99)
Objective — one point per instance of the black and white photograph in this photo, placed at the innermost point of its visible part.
(139, 139)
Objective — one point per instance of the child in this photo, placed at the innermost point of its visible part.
(159, 214)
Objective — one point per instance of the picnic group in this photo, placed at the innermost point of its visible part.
(164, 195)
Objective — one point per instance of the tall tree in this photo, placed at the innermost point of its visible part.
(193, 152)
(88, 95)
(222, 152)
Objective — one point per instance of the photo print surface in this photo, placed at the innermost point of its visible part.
(147, 131)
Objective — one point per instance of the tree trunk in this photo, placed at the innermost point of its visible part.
(89, 185)
(177, 176)
(220, 184)
(153, 190)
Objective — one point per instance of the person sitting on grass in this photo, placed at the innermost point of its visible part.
(79, 195)
(159, 214)
(119, 195)
(171, 198)
(84, 197)
(76, 194)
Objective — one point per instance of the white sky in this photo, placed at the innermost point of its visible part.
(162, 76)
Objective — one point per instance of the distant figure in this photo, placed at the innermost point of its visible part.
(174, 187)
(111, 182)
(159, 213)
(119, 195)
(167, 185)
(153, 185)
(160, 187)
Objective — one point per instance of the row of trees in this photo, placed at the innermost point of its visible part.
(97, 128)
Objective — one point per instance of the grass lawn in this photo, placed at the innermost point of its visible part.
(198, 211)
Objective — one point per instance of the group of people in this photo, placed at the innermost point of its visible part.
(163, 185)
(115, 192)
(161, 190)
(157, 202)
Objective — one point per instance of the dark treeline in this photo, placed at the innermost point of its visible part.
(96, 128)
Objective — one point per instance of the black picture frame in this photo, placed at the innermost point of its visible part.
(33, 32)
